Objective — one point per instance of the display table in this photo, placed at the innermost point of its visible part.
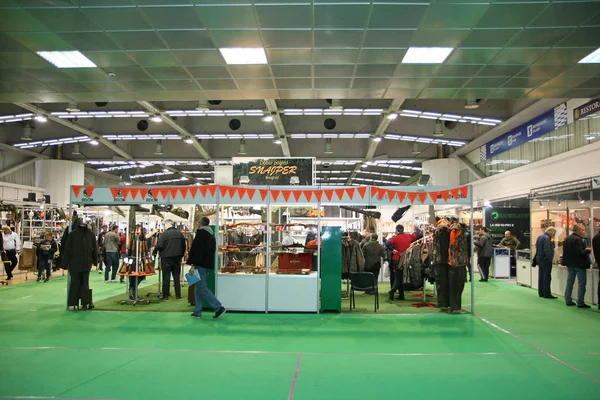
(559, 283)
(501, 264)
(293, 293)
(524, 268)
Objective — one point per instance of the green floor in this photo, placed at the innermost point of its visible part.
(538, 349)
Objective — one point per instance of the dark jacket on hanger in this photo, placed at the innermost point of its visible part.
(352, 257)
(441, 244)
(171, 243)
(255, 240)
(202, 253)
(596, 247)
(459, 246)
(80, 251)
(574, 253)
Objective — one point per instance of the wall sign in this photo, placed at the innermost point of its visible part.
(587, 109)
(539, 126)
(273, 171)
(515, 220)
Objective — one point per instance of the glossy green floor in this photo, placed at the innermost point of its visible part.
(540, 349)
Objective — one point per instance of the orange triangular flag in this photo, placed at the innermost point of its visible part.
(89, 190)
(263, 194)
(340, 193)
(445, 194)
(144, 193)
(374, 191)
(223, 190)
(297, 194)
(155, 193)
(318, 195)
(391, 194)
(76, 190)
(125, 192)
(194, 191)
(401, 196)
(454, 193)
(212, 189)
(275, 194)
(412, 196)
(464, 191)
(286, 194)
(308, 194)
(164, 192)
(434, 196)
(115, 192)
(232, 191)
(251, 193)
(134, 193)
(362, 190)
(241, 192)
(203, 190)
(422, 196)
(173, 192)
(328, 193)
(184, 191)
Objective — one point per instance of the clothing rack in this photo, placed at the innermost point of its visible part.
(424, 295)
(138, 272)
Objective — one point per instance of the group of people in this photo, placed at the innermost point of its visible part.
(10, 247)
(485, 250)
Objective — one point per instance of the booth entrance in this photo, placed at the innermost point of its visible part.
(275, 268)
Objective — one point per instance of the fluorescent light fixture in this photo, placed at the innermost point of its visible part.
(188, 140)
(67, 59)
(156, 118)
(592, 58)
(267, 118)
(377, 139)
(426, 55)
(94, 142)
(41, 118)
(392, 116)
(244, 55)
(277, 141)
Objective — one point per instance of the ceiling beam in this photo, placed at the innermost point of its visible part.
(413, 180)
(385, 122)
(184, 133)
(175, 170)
(18, 166)
(78, 128)
(476, 171)
(12, 149)
(272, 108)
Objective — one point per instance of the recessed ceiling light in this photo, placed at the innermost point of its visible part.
(592, 58)
(244, 55)
(426, 55)
(67, 59)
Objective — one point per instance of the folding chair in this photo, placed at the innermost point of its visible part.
(363, 282)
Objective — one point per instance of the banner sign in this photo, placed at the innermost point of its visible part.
(591, 108)
(273, 171)
(292, 195)
(539, 126)
(515, 220)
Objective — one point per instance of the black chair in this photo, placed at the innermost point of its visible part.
(363, 282)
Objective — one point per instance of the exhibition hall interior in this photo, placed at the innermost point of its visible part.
(299, 199)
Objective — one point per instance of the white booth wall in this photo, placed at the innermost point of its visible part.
(57, 176)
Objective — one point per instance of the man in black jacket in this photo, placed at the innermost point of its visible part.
(576, 258)
(171, 245)
(596, 247)
(202, 257)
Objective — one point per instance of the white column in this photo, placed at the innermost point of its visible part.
(56, 177)
(443, 171)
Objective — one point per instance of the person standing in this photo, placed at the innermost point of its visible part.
(373, 251)
(171, 245)
(202, 257)
(101, 250)
(510, 241)
(596, 247)
(544, 256)
(123, 239)
(400, 243)
(485, 253)
(12, 247)
(576, 259)
(112, 248)
(45, 254)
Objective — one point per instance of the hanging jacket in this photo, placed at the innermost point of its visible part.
(352, 257)
(441, 243)
(458, 255)
(80, 250)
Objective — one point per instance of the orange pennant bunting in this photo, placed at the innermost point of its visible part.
(125, 192)
(76, 190)
(350, 192)
(144, 193)
(434, 196)
(340, 193)
(164, 192)
(194, 191)
(297, 194)
(308, 194)
(251, 193)
(412, 196)
(445, 194)
(223, 190)
(114, 192)
(89, 190)
(374, 191)
(241, 192)
(134, 193)
(155, 193)
(184, 191)
(362, 190)
(212, 189)
(422, 196)
(401, 196)
(286, 194)
(391, 194)
(203, 190)
(454, 193)
(318, 195)
(173, 192)
(328, 193)
(263, 194)
(275, 194)
(232, 191)
(464, 191)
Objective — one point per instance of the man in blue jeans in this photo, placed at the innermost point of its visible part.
(576, 257)
(112, 246)
(202, 257)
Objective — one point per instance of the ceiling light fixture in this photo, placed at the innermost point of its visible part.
(328, 148)
(27, 134)
(159, 148)
(377, 139)
(188, 141)
(267, 118)
(76, 151)
(426, 55)
(277, 141)
(471, 104)
(202, 105)
(415, 149)
(94, 142)
(40, 118)
(73, 107)
(581, 201)
(392, 116)
(336, 104)
(541, 204)
(592, 58)
(67, 59)
(156, 118)
(244, 55)
(243, 150)
(438, 129)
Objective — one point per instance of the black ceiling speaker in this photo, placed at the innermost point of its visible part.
(214, 102)
(234, 124)
(101, 104)
(142, 125)
(450, 124)
(329, 123)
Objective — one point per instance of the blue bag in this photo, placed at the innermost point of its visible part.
(192, 277)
